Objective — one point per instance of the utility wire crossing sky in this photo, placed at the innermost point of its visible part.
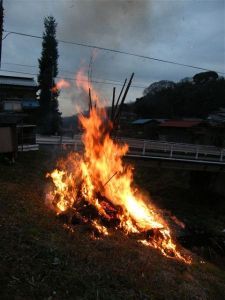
(157, 40)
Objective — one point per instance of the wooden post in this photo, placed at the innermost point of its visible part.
(197, 150)
(221, 155)
(171, 151)
(143, 152)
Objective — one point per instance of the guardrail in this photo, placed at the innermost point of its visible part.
(175, 150)
(149, 148)
(25, 148)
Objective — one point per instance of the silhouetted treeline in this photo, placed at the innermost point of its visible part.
(191, 97)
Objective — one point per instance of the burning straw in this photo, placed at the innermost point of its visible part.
(96, 187)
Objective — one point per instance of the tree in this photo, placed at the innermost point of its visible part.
(203, 77)
(50, 117)
(195, 98)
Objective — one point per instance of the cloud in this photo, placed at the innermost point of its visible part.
(190, 32)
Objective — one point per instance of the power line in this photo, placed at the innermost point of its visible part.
(117, 51)
(19, 72)
(60, 71)
(72, 79)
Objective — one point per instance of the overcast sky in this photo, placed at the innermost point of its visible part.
(189, 31)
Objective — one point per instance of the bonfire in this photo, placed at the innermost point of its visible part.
(96, 187)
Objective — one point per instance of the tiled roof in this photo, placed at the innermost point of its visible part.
(179, 123)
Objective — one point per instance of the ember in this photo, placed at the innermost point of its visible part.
(96, 187)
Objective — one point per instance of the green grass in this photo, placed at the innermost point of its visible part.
(42, 260)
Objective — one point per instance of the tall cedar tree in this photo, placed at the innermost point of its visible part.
(50, 117)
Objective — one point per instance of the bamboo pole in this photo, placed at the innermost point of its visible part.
(116, 119)
(90, 101)
(113, 103)
(117, 102)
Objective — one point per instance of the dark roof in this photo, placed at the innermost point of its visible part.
(17, 81)
(141, 121)
(180, 123)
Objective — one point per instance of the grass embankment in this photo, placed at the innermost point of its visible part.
(193, 202)
(41, 260)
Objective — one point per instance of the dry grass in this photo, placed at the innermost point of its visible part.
(42, 260)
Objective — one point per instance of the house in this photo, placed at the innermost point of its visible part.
(18, 111)
(18, 94)
(145, 128)
(181, 131)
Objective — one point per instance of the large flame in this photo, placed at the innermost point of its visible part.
(99, 174)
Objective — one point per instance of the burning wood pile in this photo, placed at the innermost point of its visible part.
(96, 188)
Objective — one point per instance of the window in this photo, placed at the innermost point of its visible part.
(12, 106)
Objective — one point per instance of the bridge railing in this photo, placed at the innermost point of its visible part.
(149, 147)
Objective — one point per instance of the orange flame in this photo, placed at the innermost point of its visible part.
(83, 84)
(60, 84)
(100, 173)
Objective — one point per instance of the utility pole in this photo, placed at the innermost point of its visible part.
(1, 28)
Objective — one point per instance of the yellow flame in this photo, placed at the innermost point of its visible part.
(87, 176)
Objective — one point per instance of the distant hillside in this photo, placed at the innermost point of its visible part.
(191, 97)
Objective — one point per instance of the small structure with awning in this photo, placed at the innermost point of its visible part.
(18, 113)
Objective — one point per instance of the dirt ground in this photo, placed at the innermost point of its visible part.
(40, 259)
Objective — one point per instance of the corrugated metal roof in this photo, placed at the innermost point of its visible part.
(21, 81)
(141, 121)
(179, 123)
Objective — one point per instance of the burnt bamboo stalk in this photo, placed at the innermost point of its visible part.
(90, 101)
(110, 179)
(113, 103)
(117, 102)
(116, 119)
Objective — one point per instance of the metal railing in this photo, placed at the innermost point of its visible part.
(149, 148)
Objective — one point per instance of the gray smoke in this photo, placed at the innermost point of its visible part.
(117, 24)
(106, 21)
